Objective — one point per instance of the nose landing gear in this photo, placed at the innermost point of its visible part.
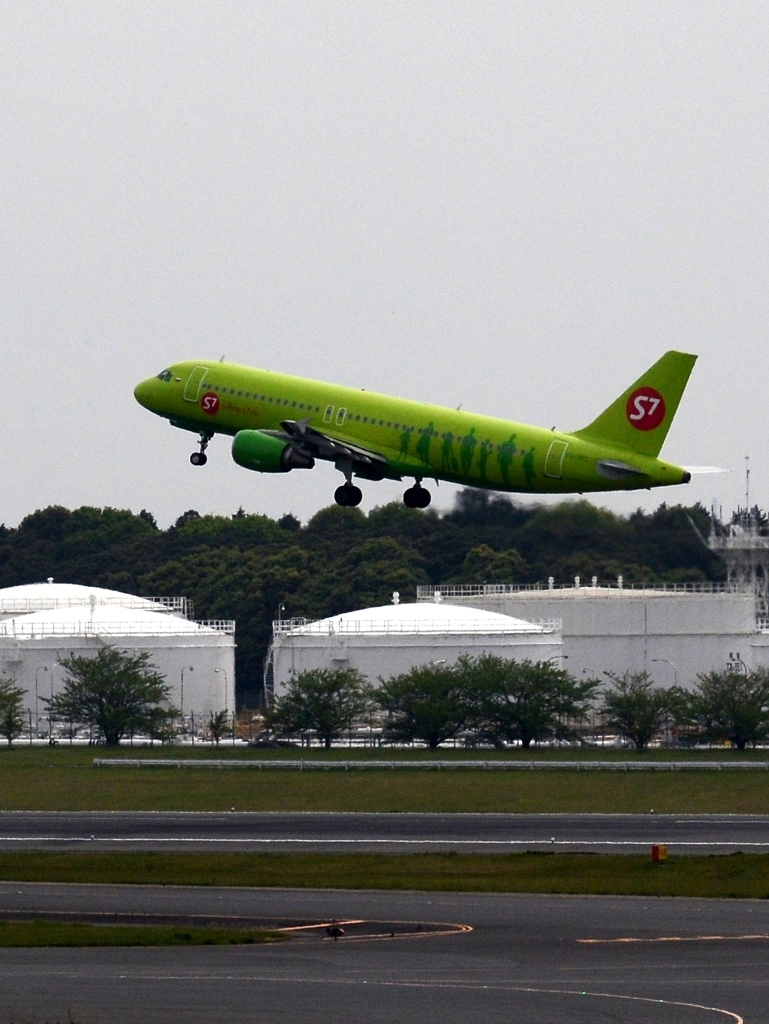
(200, 458)
(416, 496)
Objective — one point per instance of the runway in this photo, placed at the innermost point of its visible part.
(585, 960)
(382, 833)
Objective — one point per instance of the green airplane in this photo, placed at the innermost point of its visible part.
(279, 423)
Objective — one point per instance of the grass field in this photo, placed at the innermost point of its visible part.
(738, 875)
(65, 779)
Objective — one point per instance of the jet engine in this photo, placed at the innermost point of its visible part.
(255, 449)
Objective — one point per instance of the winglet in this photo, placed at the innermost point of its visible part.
(640, 418)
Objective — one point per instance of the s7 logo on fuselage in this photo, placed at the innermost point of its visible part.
(209, 403)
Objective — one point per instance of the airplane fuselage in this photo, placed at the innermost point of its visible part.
(408, 438)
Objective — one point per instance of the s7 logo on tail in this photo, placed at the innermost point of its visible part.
(646, 408)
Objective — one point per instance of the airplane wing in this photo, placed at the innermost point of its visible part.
(308, 441)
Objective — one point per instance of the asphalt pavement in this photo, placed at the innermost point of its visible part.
(526, 958)
(383, 833)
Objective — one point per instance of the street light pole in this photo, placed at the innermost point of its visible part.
(675, 670)
(187, 668)
(226, 686)
(50, 720)
(665, 661)
(37, 697)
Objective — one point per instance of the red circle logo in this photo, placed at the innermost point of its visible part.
(209, 403)
(645, 408)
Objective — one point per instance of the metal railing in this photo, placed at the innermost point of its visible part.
(345, 627)
(430, 593)
(219, 625)
(86, 627)
(27, 605)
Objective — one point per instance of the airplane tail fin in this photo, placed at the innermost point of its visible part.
(640, 418)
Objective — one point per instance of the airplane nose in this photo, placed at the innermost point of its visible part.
(143, 393)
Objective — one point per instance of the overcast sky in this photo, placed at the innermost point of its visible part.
(515, 206)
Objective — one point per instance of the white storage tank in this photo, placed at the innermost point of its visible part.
(391, 639)
(41, 623)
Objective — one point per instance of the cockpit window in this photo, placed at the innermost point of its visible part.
(166, 375)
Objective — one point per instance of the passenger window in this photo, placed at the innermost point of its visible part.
(328, 415)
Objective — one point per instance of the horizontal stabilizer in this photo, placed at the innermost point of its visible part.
(616, 470)
(701, 470)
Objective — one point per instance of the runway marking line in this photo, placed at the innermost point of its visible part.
(320, 924)
(441, 928)
(379, 842)
(455, 985)
(639, 940)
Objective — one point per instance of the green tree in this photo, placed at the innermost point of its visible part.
(324, 701)
(428, 703)
(484, 565)
(219, 725)
(11, 717)
(731, 706)
(524, 701)
(116, 692)
(635, 707)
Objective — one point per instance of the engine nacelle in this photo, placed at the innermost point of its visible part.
(253, 449)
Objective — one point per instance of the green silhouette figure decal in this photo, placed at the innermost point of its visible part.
(528, 466)
(505, 457)
(405, 441)
(423, 444)
(448, 461)
(483, 457)
(466, 451)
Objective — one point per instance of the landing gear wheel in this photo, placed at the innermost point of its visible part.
(200, 458)
(416, 497)
(348, 495)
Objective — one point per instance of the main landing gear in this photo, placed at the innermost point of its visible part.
(348, 495)
(416, 496)
(200, 458)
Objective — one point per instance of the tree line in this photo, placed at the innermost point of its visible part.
(495, 701)
(484, 699)
(246, 567)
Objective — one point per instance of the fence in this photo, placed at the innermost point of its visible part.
(169, 626)
(577, 589)
(341, 626)
(458, 765)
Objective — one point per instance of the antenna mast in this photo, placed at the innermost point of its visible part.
(747, 483)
